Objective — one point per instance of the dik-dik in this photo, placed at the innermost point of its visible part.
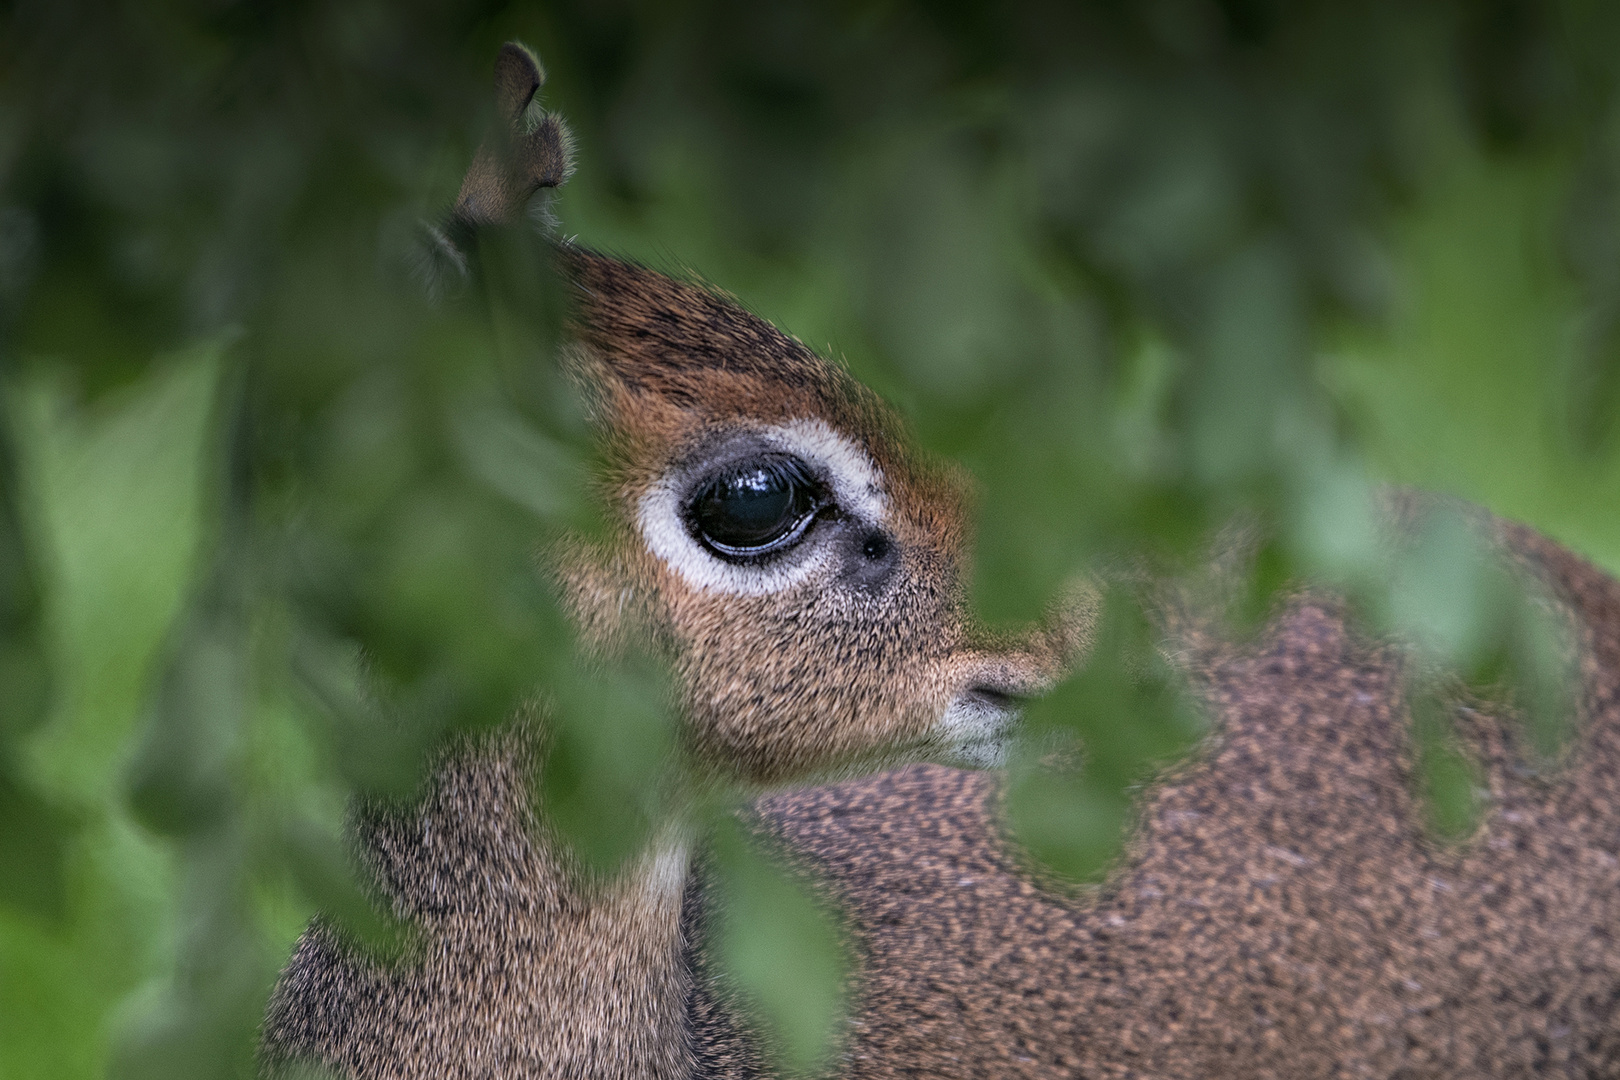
(1279, 910)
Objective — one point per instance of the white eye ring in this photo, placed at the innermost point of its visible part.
(853, 483)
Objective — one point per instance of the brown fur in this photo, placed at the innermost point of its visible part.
(525, 153)
(1280, 910)
(523, 967)
(527, 969)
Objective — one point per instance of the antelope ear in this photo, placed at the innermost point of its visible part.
(519, 159)
(530, 150)
(518, 77)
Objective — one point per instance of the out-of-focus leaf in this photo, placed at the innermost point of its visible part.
(1271, 568)
(608, 767)
(1443, 593)
(1234, 398)
(1129, 714)
(1542, 676)
(1449, 783)
(377, 754)
(182, 772)
(34, 844)
(1466, 389)
(1453, 595)
(325, 872)
(24, 668)
(521, 462)
(1594, 390)
(526, 295)
(780, 950)
(115, 504)
(1074, 828)
(1334, 528)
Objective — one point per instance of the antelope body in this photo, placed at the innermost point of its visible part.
(1279, 911)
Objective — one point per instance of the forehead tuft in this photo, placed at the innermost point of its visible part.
(698, 350)
(669, 362)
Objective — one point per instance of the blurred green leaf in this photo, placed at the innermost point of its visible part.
(115, 508)
(1234, 398)
(25, 678)
(376, 753)
(1125, 716)
(25, 685)
(609, 763)
(519, 461)
(182, 769)
(1541, 672)
(34, 845)
(1443, 593)
(1074, 828)
(1449, 782)
(780, 949)
(1452, 593)
(324, 870)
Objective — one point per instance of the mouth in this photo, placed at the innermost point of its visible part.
(991, 697)
(976, 728)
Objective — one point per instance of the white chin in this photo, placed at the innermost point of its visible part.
(977, 733)
(983, 754)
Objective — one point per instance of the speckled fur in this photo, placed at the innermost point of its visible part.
(520, 970)
(523, 967)
(1281, 911)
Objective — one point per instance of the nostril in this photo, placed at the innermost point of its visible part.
(877, 547)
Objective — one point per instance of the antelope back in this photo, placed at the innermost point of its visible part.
(1280, 911)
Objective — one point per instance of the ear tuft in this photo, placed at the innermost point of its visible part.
(530, 151)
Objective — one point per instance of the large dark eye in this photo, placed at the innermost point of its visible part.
(757, 507)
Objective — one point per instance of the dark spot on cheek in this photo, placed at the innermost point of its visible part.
(876, 548)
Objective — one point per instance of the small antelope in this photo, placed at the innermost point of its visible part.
(753, 485)
(1278, 910)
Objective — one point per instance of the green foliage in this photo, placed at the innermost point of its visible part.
(608, 765)
(268, 515)
(1456, 601)
(1094, 742)
(780, 950)
(1448, 781)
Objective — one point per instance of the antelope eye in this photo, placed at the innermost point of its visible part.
(760, 506)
